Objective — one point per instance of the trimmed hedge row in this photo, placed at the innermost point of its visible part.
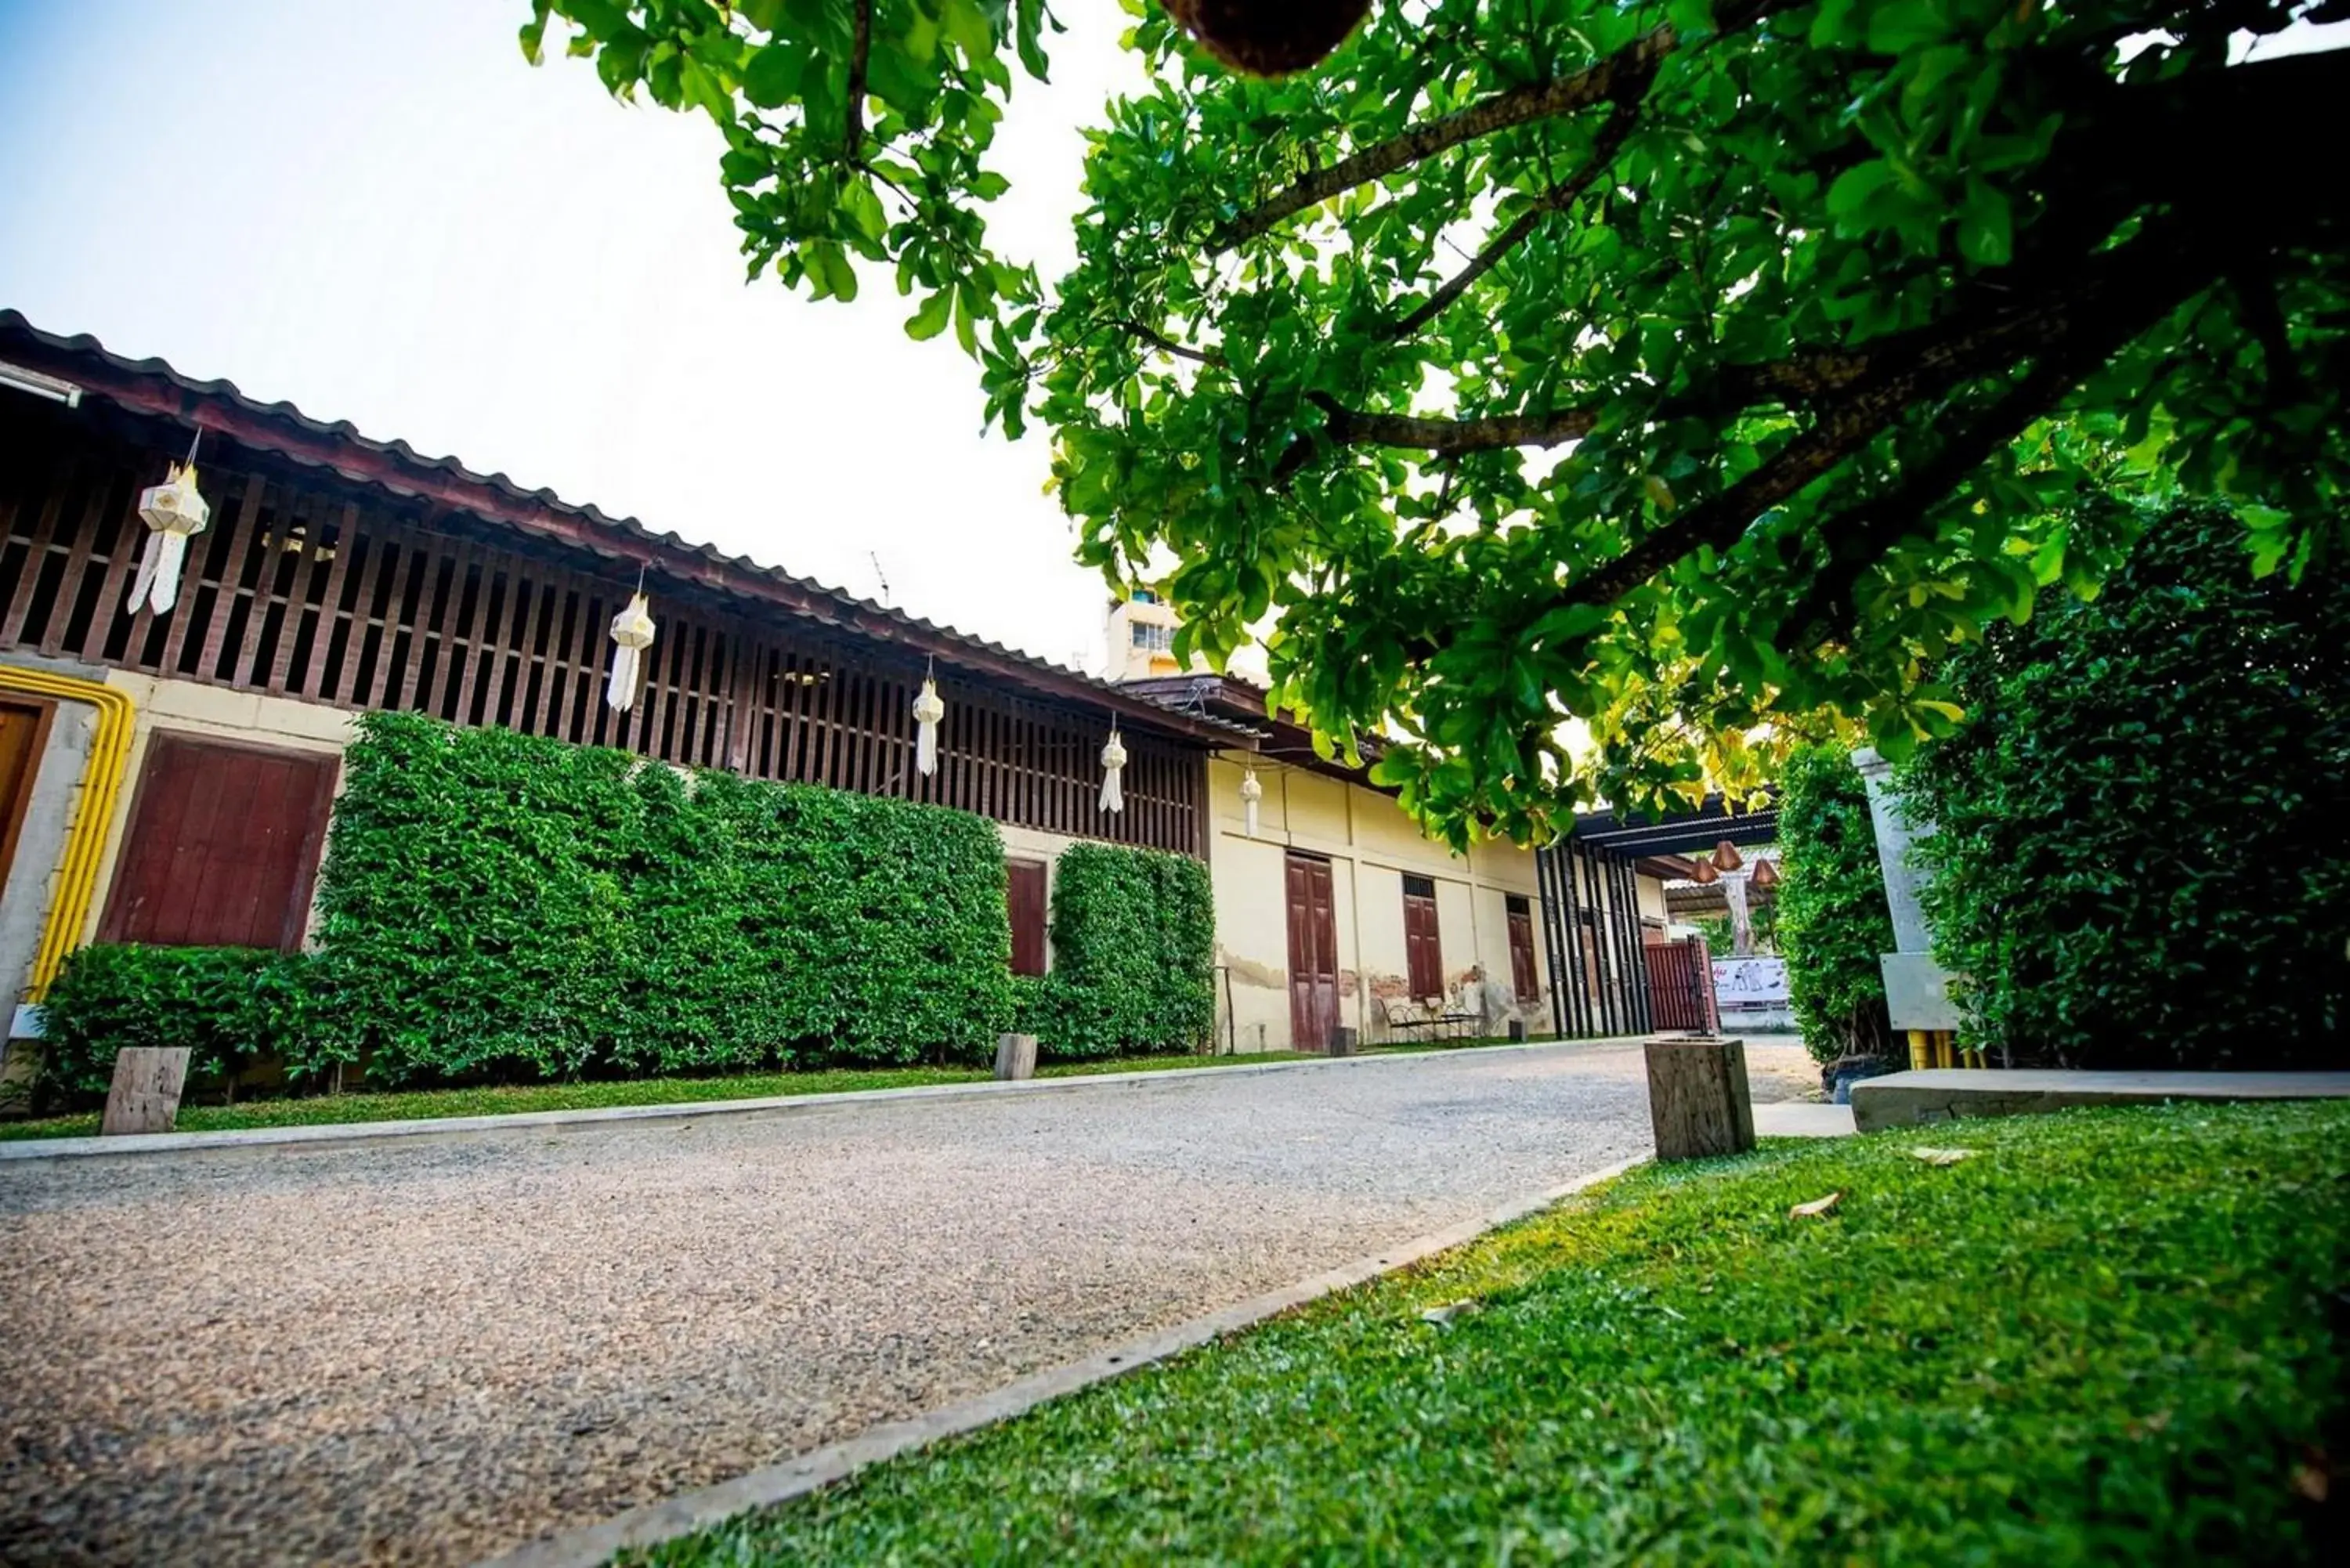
(225, 1006)
(2138, 860)
(1134, 939)
(497, 907)
(1832, 922)
(496, 904)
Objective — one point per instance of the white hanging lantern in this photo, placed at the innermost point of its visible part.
(632, 631)
(928, 711)
(1113, 760)
(1252, 792)
(175, 513)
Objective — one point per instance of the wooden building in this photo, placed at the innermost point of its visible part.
(168, 777)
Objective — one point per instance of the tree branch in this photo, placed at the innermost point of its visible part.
(1447, 438)
(1539, 101)
(1558, 199)
(860, 49)
(1612, 78)
(2104, 308)
(1166, 345)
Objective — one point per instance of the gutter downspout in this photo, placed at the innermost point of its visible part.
(101, 782)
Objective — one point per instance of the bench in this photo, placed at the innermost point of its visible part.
(1429, 1019)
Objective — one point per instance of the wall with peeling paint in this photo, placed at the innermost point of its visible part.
(1372, 845)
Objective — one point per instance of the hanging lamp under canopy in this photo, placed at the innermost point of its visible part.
(1252, 792)
(174, 512)
(1765, 874)
(632, 633)
(1113, 762)
(1704, 874)
(1726, 857)
(929, 709)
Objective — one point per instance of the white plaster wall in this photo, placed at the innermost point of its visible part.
(1372, 843)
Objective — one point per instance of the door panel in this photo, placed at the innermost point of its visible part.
(1423, 950)
(1313, 953)
(1523, 978)
(23, 728)
(223, 847)
(1024, 891)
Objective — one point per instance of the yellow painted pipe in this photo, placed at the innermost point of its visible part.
(1921, 1048)
(101, 782)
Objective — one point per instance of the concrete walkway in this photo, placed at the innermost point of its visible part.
(429, 1351)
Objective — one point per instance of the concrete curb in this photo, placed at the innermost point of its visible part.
(689, 1511)
(21, 1150)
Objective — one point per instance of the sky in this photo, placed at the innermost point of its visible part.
(377, 211)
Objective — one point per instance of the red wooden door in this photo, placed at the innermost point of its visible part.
(223, 847)
(1313, 954)
(1423, 953)
(1523, 982)
(24, 730)
(1023, 889)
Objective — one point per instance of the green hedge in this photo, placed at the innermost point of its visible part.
(226, 1006)
(1831, 922)
(1134, 940)
(500, 906)
(2139, 861)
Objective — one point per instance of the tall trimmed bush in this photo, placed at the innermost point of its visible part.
(2139, 857)
(499, 906)
(1832, 922)
(1134, 939)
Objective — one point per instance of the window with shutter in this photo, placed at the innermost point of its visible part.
(223, 844)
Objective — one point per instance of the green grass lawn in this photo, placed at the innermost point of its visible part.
(2105, 1337)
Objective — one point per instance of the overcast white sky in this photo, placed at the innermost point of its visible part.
(376, 210)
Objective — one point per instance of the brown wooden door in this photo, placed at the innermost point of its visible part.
(23, 728)
(1023, 890)
(1423, 950)
(223, 847)
(1313, 954)
(1523, 980)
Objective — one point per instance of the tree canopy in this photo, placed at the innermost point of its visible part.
(1681, 367)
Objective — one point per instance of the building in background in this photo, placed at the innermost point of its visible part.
(168, 776)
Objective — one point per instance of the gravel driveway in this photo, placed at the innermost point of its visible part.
(425, 1351)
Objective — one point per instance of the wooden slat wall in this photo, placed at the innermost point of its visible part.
(309, 589)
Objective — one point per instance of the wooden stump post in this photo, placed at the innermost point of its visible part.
(1698, 1098)
(1015, 1057)
(145, 1095)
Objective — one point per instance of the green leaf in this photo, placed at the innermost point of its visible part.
(1985, 235)
(930, 319)
(773, 77)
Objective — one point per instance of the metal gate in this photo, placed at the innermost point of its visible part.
(1591, 932)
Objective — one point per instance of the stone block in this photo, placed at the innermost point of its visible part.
(145, 1095)
(1699, 1100)
(1344, 1041)
(1923, 1096)
(1015, 1057)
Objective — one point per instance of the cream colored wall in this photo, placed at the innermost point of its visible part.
(192, 709)
(1372, 845)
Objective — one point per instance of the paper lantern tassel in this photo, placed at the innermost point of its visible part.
(928, 711)
(1252, 792)
(1113, 759)
(632, 633)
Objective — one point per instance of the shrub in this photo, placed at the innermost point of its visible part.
(1831, 922)
(2138, 859)
(496, 904)
(225, 1006)
(1133, 955)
